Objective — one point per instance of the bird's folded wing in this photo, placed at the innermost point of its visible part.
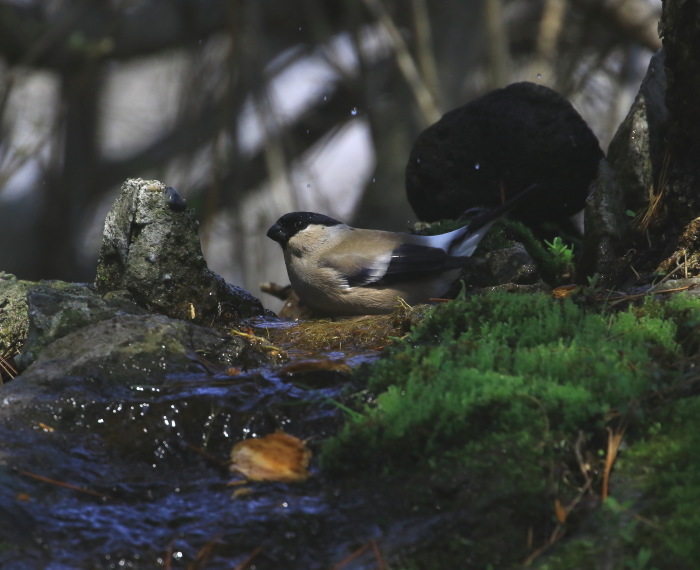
(412, 259)
(408, 261)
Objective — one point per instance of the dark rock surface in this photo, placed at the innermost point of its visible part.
(637, 149)
(498, 145)
(513, 265)
(151, 250)
(56, 309)
(606, 226)
(78, 334)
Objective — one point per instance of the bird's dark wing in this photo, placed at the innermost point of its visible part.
(408, 261)
(412, 260)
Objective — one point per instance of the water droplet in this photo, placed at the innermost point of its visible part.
(373, 180)
(353, 111)
(539, 76)
(477, 166)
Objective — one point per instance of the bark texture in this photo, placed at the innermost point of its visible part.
(680, 31)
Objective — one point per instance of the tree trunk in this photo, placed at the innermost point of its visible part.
(74, 177)
(680, 31)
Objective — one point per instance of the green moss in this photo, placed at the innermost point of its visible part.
(654, 522)
(670, 456)
(495, 389)
(555, 263)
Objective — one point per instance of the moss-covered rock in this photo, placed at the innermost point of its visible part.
(14, 322)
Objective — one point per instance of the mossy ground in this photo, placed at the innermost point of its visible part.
(503, 406)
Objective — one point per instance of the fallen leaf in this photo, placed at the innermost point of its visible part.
(564, 291)
(275, 457)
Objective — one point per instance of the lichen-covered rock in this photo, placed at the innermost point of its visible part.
(13, 321)
(151, 249)
(133, 342)
(142, 349)
(55, 309)
(636, 151)
(496, 146)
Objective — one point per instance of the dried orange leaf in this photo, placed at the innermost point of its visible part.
(564, 291)
(275, 457)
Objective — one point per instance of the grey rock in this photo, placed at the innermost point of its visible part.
(636, 150)
(605, 228)
(73, 331)
(513, 265)
(151, 250)
(126, 349)
(56, 309)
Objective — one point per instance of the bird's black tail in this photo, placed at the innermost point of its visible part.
(493, 214)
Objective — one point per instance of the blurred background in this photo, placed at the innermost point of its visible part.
(253, 108)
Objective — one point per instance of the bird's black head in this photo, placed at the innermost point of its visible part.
(290, 224)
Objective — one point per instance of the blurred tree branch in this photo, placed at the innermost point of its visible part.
(56, 35)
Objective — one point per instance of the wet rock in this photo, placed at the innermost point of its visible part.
(498, 145)
(55, 309)
(513, 265)
(130, 348)
(606, 226)
(636, 150)
(151, 250)
(73, 331)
